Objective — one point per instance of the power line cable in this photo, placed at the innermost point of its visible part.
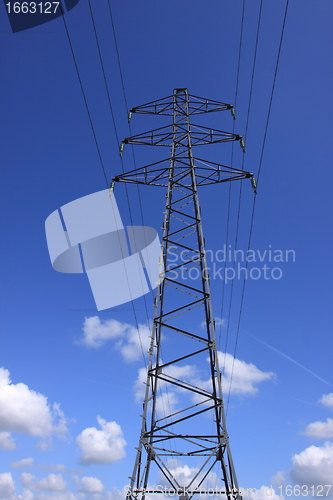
(84, 97)
(254, 200)
(232, 157)
(95, 136)
(241, 184)
(127, 110)
(121, 161)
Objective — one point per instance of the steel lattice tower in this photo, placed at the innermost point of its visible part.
(183, 415)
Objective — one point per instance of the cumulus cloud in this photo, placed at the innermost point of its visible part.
(263, 493)
(314, 466)
(26, 495)
(116, 494)
(139, 385)
(244, 375)
(185, 372)
(180, 471)
(218, 322)
(135, 343)
(24, 410)
(101, 446)
(327, 400)
(279, 478)
(184, 474)
(97, 332)
(55, 495)
(6, 441)
(52, 482)
(89, 485)
(166, 404)
(25, 462)
(130, 340)
(320, 430)
(7, 485)
(53, 467)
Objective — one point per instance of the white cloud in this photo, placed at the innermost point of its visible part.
(314, 466)
(279, 478)
(24, 410)
(166, 404)
(25, 462)
(60, 424)
(53, 482)
(117, 494)
(135, 344)
(97, 332)
(139, 385)
(320, 430)
(218, 322)
(184, 474)
(6, 441)
(244, 375)
(7, 485)
(131, 341)
(53, 467)
(185, 372)
(181, 372)
(101, 446)
(327, 400)
(57, 495)
(26, 495)
(90, 485)
(263, 493)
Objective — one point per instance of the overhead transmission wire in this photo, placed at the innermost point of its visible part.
(84, 96)
(138, 189)
(230, 184)
(243, 160)
(258, 175)
(127, 110)
(96, 141)
(229, 199)
(122, 166)
(241, 183)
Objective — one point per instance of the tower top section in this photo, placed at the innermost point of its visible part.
(195, 105)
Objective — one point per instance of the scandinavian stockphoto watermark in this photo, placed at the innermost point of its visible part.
(123, 263)
(228, 264)
(87, 236)
(265, 491)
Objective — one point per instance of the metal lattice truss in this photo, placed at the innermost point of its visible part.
(186, 104)
(207, 172)
(184, 445)
(164, 136)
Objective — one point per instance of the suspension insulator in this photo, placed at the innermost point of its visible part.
(233, 112)
(254, 184)
(129, 116)
(121, 149)
(242, 144)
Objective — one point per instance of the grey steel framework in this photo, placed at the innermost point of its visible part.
(183, 420)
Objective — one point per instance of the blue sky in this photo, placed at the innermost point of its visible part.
(280, 417)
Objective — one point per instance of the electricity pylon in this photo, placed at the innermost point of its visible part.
(183, 435)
